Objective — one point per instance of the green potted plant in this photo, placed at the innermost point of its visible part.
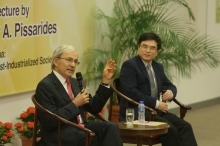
(90, 117)
(6, 133)
(183, 48)
(25, 126)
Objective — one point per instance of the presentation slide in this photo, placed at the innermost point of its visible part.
(31, 29)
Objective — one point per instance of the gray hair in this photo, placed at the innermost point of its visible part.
(59, 51)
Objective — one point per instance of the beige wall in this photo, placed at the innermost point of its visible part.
(206, 82)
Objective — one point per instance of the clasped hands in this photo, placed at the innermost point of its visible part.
(163, 106)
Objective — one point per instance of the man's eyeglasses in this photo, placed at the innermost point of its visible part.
(153, 48)
(70, 60)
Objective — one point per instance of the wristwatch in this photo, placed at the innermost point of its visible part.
(106, 85)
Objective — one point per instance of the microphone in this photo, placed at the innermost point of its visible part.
(79, 79)
(164, 89)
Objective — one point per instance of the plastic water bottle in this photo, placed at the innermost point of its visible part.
(141, 112)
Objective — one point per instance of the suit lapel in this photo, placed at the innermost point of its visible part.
(142, 67)
(59, 87)
(144, 71)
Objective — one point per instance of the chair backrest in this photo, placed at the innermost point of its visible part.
(113, 107)
(36, 122)
(89, 134)
(115, 84)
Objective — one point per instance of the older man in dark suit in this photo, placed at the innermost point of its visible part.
(142, 78)
(60, 93)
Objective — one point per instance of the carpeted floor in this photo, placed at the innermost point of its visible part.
(205, 122)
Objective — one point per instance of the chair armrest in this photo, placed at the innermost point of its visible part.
(62, 120)
(114, 83)
(89, 134)
(67, 122)
(152, 111)
(182, 105)
(183, 108)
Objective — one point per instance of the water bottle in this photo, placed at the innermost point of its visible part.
(141, 112)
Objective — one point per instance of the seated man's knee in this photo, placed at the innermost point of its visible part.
(172, 130)
(188, 126)
(113, 125)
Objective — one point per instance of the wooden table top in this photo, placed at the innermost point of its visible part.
(150, 126)
(144, 130)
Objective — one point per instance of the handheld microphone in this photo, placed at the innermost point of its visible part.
(79, 79)
(164, 89)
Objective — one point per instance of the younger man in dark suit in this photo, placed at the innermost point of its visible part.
(142, 78)
(60, 93)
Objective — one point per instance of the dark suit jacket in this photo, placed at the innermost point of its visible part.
(51, 94)
(135, 83)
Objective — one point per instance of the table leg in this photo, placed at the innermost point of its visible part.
(139, 140)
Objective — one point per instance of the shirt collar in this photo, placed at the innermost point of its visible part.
(60, 78)
(145, 63)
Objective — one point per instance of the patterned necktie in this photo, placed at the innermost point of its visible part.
(70, 93)
(152, 78)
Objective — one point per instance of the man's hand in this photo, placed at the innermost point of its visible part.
(108, 71)
(163, 107)
(168, 95)
(81, 98)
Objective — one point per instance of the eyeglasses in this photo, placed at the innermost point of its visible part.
(70, 60)
(152, 48)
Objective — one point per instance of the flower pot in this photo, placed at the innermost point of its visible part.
(114, 113)
(27, 141)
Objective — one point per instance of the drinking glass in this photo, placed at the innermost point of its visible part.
(129, 116)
